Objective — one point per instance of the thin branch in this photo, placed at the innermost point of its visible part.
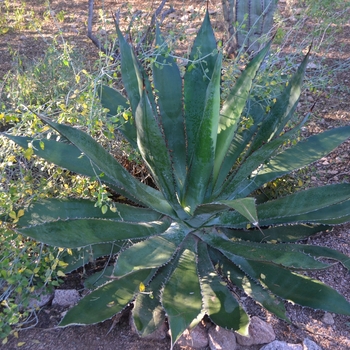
(91, 36)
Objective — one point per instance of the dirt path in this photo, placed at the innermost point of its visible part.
(332, 109)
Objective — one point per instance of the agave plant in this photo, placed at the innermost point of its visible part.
(202, 227)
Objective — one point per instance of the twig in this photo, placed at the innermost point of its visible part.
(92, 37)
(147, 37)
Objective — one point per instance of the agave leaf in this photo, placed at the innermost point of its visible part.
(53, 209)
(282, 111)
(219, 303)
(107, 300)
(97, 279)
(232, 109)
(322, 205)
(278, 254)
(291, 233)
(331, 215)
(69, 157)
(165, 70)
(302, 154)
(244, 206)
(150, 253)
(113, 100)
(255, 110)
(236, 183)
(75, 233)
(80, 257)
(131, 74)
(196, 80)
(148, 312)
(296, 288)
(110, 166)
(150, 138)
(248, 285)
(303, 202)
(181, 296)
(202, 161)
(324, 252)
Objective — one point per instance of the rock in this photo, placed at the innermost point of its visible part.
(41, 299)
(195, 339)
(281, 345)
(310, 345)
(65, 297)
(328, 318)
(221, 339)
(191, 30)
(260, 332)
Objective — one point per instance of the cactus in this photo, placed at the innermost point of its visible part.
(257, 17)
(203, 225)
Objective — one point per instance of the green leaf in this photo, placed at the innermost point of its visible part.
(107, 300)
(181, 296)
(196, 80)
(236, 183)
(97, 279)
(290, 233)
(110, 166)
(299, 204)
(302, 154)
(248, 285)
(202, 161)
(148, 312)
(153, 148)
(282, 111)
(75, 233)
(150, 253)
(232, 109)
(296, 288)
(322, 205)
(83, 256)
(219, 303)
(113, 100)
(131, 74)
(244, 206)
(169, 101)
(285, 255)
(69, 157)
(53, 209)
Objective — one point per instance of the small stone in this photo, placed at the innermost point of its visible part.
(65, 297)
(310, 345)
(41, 299)
(260, 332)
(310, 99)
(221, 339)
(281, 345)
(197, 338)
(191, 31)
(328, 319)
(184, 18)
(312, 65)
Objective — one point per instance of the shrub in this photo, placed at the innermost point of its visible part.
(180, 242)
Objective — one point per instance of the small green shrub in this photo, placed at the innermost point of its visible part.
(202, 225)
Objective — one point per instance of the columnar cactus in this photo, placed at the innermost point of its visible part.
(255, 15)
